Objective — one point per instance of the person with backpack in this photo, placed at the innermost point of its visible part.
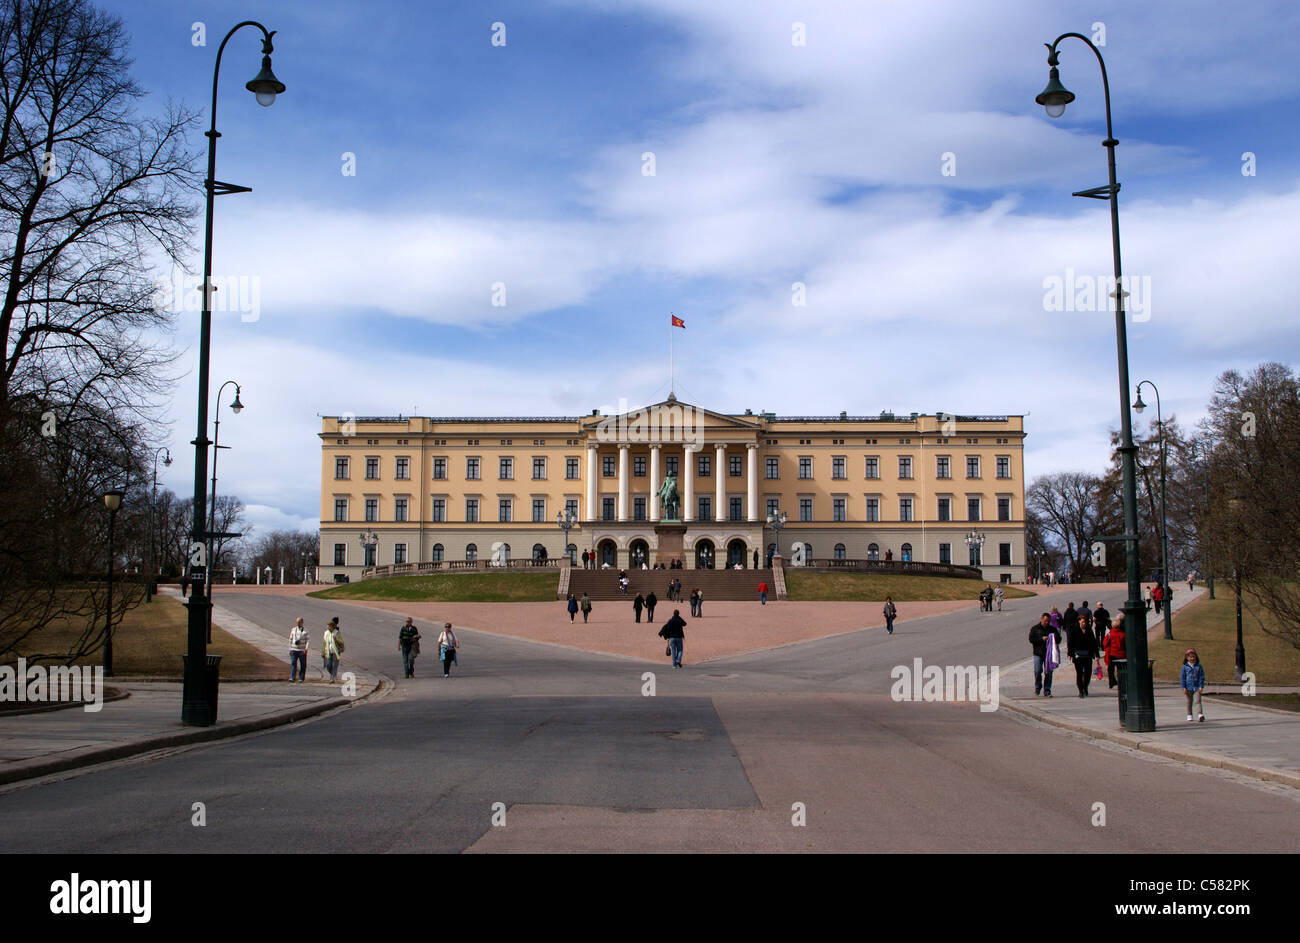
(585, 605)
(332, 647)
(891, 613)
(674, 631)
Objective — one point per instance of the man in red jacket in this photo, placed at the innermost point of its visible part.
(762, 592)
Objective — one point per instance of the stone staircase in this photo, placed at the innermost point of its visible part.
(716, 585)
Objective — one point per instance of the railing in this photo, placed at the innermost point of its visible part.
(455, 566)
(894, 566)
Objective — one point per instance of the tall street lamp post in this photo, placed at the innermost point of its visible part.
(236, 407)
(153, 501)
(1140, 714)
(776, 520)
(112, 501)
(196, 709)
(1138, 406)
(975, 543)
(370, 541)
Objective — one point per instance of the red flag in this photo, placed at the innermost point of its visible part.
(678, 322)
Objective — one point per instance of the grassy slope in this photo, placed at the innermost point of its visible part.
(150, 640)
(1210, 627)
(461, 587)
(872, 587)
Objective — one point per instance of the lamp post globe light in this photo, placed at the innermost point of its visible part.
(776, 520)
(153, 500)
(196, 709)
(1165, 581)
(567, 520)
(112, 501)
(370, 542)
(975, 543)
(1140, 715)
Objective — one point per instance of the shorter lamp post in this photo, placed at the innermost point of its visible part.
(370, 541)
(153, 501)
(776, 520)
(112, 501)
(975, 543)
(567, 520)
(1138, 406)
(1239, 656)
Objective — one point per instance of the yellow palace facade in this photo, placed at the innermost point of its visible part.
(673, 481)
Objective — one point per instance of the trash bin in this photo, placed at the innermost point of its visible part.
(211, 682)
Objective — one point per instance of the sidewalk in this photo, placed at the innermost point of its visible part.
(1261, 743)
(33, 745)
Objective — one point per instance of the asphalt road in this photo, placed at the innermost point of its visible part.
(563, 749)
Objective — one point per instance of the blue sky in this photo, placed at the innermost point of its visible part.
(775, 163)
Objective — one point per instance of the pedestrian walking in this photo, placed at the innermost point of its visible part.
(998, 595)
(1193, 681)
(331, 648)
(1042, 635)
(1081, 647)
(572, 606)
(299, 642)
(1191, 581)
(585, 605)
(650, 602)
(1158, 595)
(1069, 619)
(756, 559)
(408, 643)
(762, 592)
(674, 631)
(1146, 597)
(1115, 650)
(891, 613)
(637, 605)
(585, 558)
(447, 646)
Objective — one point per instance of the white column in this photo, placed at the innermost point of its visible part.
(593, 512)
(622, 482)
(688, 483)
(654, 482)
(751, 485)
(720, 482)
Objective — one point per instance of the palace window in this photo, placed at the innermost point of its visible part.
(904, 509)
(606, 509)
(945, 553)
(873, 509)
(399, 553)
(340, 509)
(773, 505)
(943, 467)
(372, 509)
(539, 468)
(436, 554)
(471, 469)
(972, 466)
(571, 468)
(805, 466)
(372, 467)
(838, 512)
(945, 509)
(838, 463)
(607, 467)
(504, 506)
(873, 466)
(736, 509)
(438, 510)
(340, 554)
(839, 552)
(638, 466)
(341, 467)
(735, 467)
(539, 510)
(440, 469)
(402, 468)
(1004, 554)
(672, 466)
(399, 509)
(704, 464)
(1004, 509)
(471, 510)
(805, 509)
(705, 506)
(906, 551)
(507, 470)
(1004, 466)
(638, 509)
(873, 551)
(471, 552)
(904, 466)
(773, 467)
(972, 509)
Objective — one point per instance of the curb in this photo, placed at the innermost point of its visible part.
(93, 756)
(1148, 746)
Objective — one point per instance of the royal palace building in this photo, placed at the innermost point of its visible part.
(673, 481)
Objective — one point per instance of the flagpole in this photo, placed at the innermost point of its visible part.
(671, 385)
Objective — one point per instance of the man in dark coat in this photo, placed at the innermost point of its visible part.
(674, 630)
(1038, 639)
(650, 602)
(1081, 646)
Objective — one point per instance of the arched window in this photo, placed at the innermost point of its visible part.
(907, 553)
(873, 551)
(471, 552)
(839, 552)
(437, 553)
(539, 552)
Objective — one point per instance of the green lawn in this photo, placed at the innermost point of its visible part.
(1210, 627)
(871, 587)
(461, 587)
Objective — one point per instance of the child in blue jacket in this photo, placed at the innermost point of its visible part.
(1193, 679)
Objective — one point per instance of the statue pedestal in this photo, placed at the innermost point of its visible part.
(671, 536)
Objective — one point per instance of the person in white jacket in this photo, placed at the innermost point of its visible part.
(299, 642)
(447, 646)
